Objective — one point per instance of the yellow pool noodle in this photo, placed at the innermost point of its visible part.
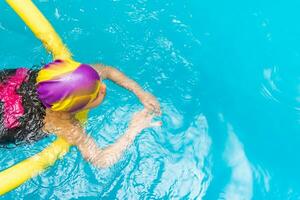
(16, 175)
(41, 27)
(19, 173)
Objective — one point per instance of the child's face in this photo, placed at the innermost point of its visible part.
(100, 97)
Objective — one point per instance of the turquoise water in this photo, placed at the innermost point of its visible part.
(226, 74)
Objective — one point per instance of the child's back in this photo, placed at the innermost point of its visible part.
(21, 112)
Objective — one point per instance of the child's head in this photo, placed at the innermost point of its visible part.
(69, 86)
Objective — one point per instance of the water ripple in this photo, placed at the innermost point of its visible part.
(240, 185)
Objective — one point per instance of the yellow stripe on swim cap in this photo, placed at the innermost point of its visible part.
(69, 102)
(56, 69)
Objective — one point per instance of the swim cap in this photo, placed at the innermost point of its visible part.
(67, 85)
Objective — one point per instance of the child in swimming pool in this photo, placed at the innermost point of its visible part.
(35, 103)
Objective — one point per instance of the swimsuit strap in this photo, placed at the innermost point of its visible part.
(12, 102)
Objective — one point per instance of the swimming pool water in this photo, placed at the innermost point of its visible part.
(226, 74)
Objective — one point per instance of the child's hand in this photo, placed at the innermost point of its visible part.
(150, 102)
(142, 120)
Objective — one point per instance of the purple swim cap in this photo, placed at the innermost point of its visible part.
(67, 85)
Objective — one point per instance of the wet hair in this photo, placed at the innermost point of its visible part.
(31, 123)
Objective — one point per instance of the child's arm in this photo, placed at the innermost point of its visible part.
(73, 133)
(147, 99)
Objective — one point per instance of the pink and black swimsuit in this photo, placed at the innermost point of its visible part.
(22, 113)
